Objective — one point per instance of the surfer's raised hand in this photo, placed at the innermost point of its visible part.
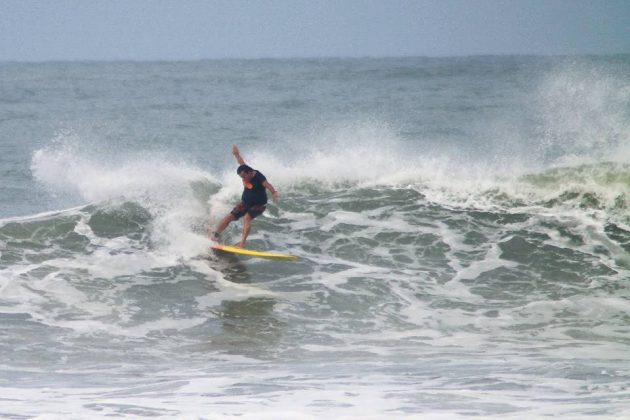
(237, 155)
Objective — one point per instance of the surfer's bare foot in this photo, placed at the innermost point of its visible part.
(239, 245)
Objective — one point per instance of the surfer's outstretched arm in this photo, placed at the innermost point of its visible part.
(274, 192)
(237, 155)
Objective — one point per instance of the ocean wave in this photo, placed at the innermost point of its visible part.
(477, 223)
(172, 202)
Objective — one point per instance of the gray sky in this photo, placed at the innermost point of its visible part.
(32, 30)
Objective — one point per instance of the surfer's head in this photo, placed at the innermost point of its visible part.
(245, 172)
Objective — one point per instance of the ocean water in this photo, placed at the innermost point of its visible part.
(462, 224)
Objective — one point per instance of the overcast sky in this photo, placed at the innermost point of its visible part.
(43, 30)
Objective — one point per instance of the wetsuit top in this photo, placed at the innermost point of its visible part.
(254, 192)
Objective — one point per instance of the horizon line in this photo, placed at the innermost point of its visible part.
(304, 58)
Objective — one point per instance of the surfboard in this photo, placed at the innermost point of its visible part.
(252, 253)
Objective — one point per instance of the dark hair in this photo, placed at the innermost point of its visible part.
(243, 168)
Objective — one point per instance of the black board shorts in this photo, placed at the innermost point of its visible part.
(254, 210)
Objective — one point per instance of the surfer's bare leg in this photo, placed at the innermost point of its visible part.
(247, 226)
(221, 227)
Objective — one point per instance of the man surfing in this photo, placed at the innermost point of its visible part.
(253, 201)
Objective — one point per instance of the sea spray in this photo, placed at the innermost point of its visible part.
(583, 112)
(158, 185)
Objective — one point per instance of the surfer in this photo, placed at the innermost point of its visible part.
(253, 201)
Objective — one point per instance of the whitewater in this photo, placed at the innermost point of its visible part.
(462, 227)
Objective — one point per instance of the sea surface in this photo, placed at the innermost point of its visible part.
(462, 227)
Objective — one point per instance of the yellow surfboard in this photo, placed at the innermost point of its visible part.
(252, 253)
